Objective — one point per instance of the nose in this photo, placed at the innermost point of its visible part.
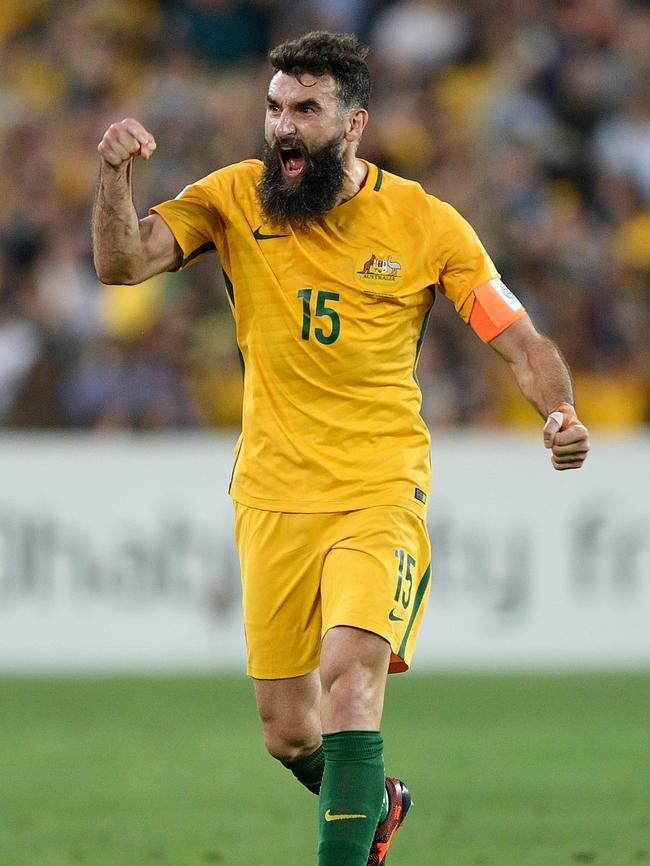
(285, 126)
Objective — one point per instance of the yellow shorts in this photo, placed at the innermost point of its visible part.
(302, 574)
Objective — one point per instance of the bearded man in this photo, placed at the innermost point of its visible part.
(331, 474)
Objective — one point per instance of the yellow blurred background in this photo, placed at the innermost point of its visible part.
(532, 118)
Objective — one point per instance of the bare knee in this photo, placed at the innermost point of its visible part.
(289, 740)
(290, 714)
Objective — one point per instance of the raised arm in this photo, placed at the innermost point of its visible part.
(545, 381)
(127, 250)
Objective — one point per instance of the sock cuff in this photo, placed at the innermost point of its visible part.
(353, 745)
(310, 762)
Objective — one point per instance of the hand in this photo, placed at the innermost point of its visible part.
(567, 438)
(124, 140)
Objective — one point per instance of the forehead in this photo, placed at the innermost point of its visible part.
(285, 88)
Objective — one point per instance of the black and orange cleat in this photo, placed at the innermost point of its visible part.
(399, 802)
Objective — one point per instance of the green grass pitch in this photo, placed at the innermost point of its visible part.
(505, 770)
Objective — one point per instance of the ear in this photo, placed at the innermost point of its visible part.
(355, 124)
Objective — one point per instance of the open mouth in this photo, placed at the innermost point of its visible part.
(293, 162)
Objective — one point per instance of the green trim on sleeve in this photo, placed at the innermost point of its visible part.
(379, 181)
(207, 247)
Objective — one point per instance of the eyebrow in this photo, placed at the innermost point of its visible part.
(301, 103)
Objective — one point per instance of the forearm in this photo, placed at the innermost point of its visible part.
(540, 370)
(542, 374)
(117, 243)
(544, 379)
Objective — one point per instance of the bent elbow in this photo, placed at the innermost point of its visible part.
(106, 277)
(109, 275)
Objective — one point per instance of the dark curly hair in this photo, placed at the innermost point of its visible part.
(340, 55)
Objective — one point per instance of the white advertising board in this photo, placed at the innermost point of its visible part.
(117, 554)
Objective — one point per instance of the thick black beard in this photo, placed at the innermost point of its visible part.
(307, 200)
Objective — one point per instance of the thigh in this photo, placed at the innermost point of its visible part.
(281, 562)
(377, 577)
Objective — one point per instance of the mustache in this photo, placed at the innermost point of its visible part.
(291, 143)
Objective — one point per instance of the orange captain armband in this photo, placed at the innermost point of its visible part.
(495, 309)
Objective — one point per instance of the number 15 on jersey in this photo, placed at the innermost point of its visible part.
(326, 336)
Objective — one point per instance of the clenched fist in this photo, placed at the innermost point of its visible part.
(566, 437)
(124, 140)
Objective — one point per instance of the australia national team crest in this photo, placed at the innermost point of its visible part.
(379, 267)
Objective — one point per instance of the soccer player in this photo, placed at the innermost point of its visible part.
(331, 267)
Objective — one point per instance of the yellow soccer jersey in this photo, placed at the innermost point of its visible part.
(329, 325)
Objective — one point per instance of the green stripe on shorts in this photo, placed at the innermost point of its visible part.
(419, 595)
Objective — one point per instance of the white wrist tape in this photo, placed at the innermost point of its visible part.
(556, 416)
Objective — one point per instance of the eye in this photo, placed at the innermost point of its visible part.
(273, 109)
(307, 109)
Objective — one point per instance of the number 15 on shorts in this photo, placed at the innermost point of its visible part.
(404, 587)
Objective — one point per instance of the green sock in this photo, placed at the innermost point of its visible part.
(351, 797)
(309, 770)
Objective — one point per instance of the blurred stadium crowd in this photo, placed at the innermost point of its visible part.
(532, 117)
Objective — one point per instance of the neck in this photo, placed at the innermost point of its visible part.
(355, 173)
